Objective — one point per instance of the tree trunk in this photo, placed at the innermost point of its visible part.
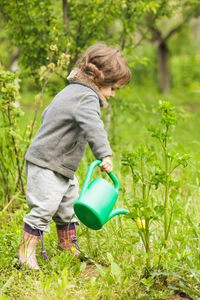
(163, 66)
(65, 16)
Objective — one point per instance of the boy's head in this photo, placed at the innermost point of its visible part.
(105, 66)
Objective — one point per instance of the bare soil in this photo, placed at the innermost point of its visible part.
(179, 297)
(91, 271)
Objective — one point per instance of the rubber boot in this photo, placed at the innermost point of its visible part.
(27, 251)
(67, 238)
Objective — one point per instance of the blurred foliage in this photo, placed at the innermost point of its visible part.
(28, 31)
(13, 140)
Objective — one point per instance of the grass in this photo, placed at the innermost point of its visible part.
(116, 250)
(116, 245)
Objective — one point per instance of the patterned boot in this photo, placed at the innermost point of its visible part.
(67, 238)
(27, 251)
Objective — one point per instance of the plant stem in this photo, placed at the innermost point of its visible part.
(6, 183)
(146, 230)
(20, 180)
(147, 222)
(133, 184)
(88, 240)
(166, 203)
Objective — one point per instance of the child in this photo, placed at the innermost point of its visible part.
(70, 122)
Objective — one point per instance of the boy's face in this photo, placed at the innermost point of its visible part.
(109, 91)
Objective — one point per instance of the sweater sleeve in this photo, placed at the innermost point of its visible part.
(87, 115)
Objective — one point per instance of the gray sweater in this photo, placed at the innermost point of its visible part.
(70, 122)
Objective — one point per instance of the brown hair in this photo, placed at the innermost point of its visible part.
(105, 66)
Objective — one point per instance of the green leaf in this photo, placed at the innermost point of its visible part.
(147, 212)
(110, 257)
(83, 266)
(159, 209)
(100, 270)
(115, 269)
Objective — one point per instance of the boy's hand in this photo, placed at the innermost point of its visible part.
(106, 164)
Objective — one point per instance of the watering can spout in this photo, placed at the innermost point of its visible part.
(117, 211)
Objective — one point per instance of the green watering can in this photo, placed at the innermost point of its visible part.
(94, 207)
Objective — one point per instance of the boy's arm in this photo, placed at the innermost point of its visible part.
(87, 115)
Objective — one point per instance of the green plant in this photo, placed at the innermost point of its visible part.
(13, 140)
(172, 160)
(146, 176)
(150, 171)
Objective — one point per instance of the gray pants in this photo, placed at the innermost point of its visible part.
(49, 195)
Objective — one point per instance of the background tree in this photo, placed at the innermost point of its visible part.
(169, 19)
(156, 22)
(29, 25)
(78, 23)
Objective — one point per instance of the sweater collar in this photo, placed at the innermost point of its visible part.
(76, 75)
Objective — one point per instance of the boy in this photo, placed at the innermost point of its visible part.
(70, 122)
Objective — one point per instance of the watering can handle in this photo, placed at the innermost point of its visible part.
(89, 175)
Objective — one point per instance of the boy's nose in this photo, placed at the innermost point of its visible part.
(112, 93)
